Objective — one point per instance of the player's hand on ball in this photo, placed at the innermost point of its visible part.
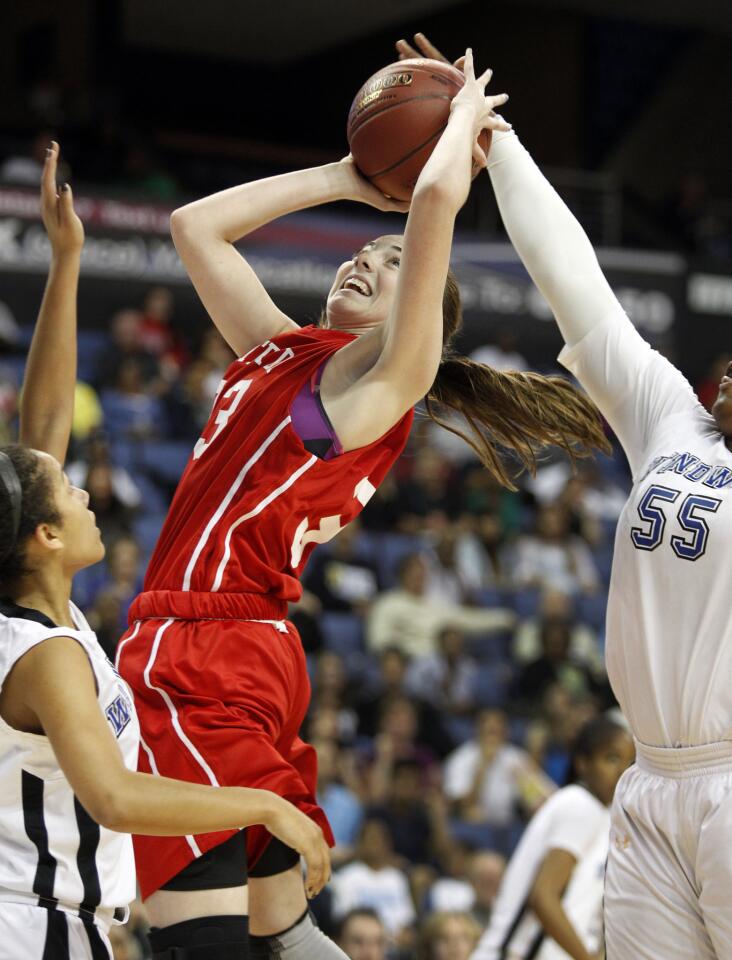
(63, 226)
(472, 96)
(364, 192)
(302, 834)
(423, 48)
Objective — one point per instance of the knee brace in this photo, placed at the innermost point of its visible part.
(204, 938)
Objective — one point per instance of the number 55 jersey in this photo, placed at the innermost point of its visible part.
(669, 630)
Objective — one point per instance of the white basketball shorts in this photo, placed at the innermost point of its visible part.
(668, 888)
(34, 933)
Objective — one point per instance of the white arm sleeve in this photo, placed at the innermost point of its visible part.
(633, 385)
(551, 243)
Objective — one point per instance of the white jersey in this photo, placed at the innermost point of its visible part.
(669, 630)
(52, 854)
(572, 820)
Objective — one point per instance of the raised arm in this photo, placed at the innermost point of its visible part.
(412, 336)
(47, 399)
(550, 241)
(205, 231)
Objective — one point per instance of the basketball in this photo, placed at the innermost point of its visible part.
(396, 119)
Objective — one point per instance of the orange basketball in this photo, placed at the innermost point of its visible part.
(396, 119)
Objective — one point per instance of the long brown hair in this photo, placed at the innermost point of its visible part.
(518, 412)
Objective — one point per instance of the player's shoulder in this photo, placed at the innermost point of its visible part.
(573, 801)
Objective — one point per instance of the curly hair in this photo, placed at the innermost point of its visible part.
(37, 506)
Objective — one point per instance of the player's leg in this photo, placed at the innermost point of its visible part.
(714, 861)
(201, 914)
(281, 924)
(651, 908)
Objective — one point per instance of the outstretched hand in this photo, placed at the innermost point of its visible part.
(424, 48)
(472, 95)
(63, 226)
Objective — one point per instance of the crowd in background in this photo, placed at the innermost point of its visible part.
(454, 634)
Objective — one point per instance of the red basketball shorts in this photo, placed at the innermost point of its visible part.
(220, 701)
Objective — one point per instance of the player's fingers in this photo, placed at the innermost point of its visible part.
(459, 63)
(468, 68)
(485, 77)
(479, 157)
(497, 101)
(406, 51)
(497, 122)
(48, 177)
(317, 861)
(429, 49)
(65, 203)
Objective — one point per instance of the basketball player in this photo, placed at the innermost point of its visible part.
(549, 905)
(68, 732)
(305, 426)
(669, 634)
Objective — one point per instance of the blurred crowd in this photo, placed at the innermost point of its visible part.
(454, 634)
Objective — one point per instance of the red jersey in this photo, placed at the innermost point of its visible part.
(253, 502)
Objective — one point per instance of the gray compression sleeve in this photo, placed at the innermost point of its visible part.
(303, 941)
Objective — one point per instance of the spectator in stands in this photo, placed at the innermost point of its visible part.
(492, 781)
(144, 174)
(503, 353)
(341, 576)
(584, 646)
(361, 935)
(112, 499)
(428, 496)
(485, 873)
(447, 678)
(337, 795)
(406, 618)
(397, 740)
(373, 881)
(410, 807)
(554, 665)
(481, 552)
(554, 559)
(107, 618)
(448, 936)
(158, 334)
(125, 344)
(452, 890)
(330, 689)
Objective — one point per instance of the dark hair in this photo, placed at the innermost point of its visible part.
(368, 912)
(37, 506)
(594, 736)
(520, 412)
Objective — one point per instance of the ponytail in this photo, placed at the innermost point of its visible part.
(520, 412)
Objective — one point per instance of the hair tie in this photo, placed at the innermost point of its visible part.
(10, 481)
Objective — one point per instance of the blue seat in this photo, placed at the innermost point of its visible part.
(526, 602)
(164, 459)
(591, 609)
(343, 634)
(492, 683)
(486, 836)
(126, 415)
(146, 530)
(391, 550)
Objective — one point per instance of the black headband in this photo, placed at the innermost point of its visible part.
(10, 481)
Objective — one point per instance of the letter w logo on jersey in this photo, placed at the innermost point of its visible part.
(118, 714)
(328, 527)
